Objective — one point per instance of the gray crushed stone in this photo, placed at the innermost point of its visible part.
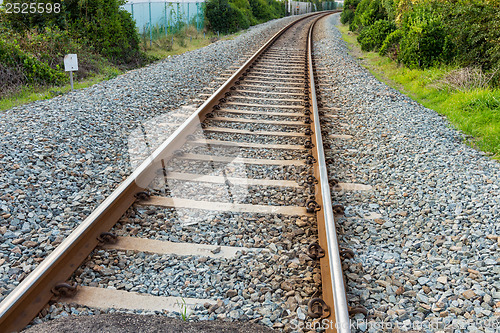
(270, 284)
(60, 158)
(129, 323)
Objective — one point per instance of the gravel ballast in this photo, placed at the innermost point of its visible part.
(269, 283)
(60, 158)
(270, 286)
(426, 237)
(129, 323)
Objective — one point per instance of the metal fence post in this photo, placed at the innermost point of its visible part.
(178, 16)
(169, 18)
(197, 16)
(150, 27)
(166, 22)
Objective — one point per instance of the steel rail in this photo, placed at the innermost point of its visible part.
(342, 322)
(36, 290)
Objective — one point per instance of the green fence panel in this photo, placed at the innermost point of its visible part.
(160, 18)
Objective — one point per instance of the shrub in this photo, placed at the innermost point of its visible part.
(347, 16)
(108, 28)
(348, 11)
(225, 17)
(33, 71)
(474, 27)
(51, 45)
(390, 46)
(278, 8)
(425, 42)
(100, 24)
(390, 9)
(360, 9)
(262, 11)
(372, 37)
(238, 19)
(230, 16)
(367, 13)
(246, 9)
(431, 32)
(22, 22)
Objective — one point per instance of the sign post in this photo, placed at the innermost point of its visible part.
(70, 65)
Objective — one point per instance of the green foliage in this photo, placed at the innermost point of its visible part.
(230, 16)
(109, 29)
(425, 42)
(279, 8)
(390, 9)
(432, 32)
(244, 7)
(101, 25)
(372, 37)
(488, 102)
(474, 26)
(24, 68)
(475, 110)
(262, 10)
(347, 15)
(367, 13)
(21, 22)
(33, 45)
(360, 9)
(225, 17)
(50, 45)
(184, 310)
(390, 46)
(477, 113)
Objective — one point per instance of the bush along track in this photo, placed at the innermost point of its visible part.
(228, 16)
(445, 55)
(32, 46)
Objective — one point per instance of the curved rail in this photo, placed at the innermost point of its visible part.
(327, 216)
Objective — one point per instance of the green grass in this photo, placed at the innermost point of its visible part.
(31, 93)
(475, 112)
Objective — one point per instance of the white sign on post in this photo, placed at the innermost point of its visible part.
(70, 65)
(70, 62)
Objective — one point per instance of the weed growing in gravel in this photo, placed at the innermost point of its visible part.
(184, 310)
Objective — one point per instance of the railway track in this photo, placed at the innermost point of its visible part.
(252, 156)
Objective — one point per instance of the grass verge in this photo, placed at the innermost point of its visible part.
(474, 111)
(32, 93)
